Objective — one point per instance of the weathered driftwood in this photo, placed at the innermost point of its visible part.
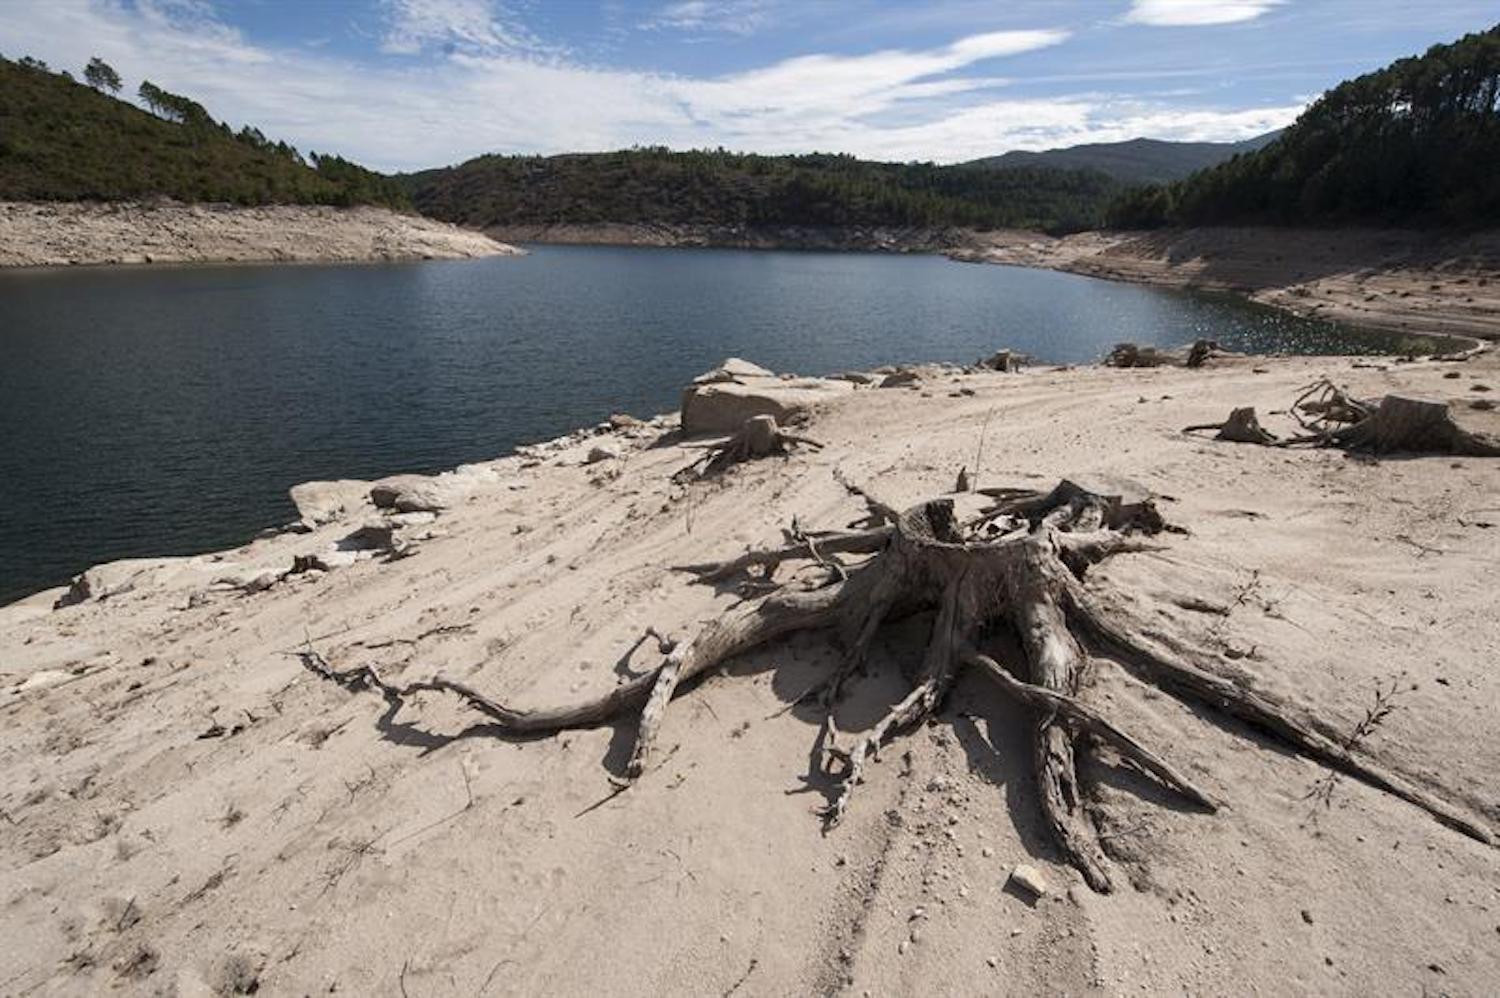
(1017, 568)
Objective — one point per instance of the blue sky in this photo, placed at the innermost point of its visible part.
(405, 84)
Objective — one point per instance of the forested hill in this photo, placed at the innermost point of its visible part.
(654, 185)
(62, 140)
(1137, 161)
(1416, 143)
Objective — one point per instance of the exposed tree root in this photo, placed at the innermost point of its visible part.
(759, 437)
(1242, 427)
(1332, 418)
(1134, 355)
(1005, 361)
(1014, 572)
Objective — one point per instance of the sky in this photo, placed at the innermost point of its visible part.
(410, 84)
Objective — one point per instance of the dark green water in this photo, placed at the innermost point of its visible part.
(167, 410)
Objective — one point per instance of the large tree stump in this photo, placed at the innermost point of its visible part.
(1134, 355)
(1018, 568)
(1331, 417)
(1415, 425)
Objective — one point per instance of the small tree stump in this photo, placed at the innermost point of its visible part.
(1242, 427)
(758, 437)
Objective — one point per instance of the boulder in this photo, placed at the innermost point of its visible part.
(372, 535)
(733, 369)
(418, 493)
(601, 452)
(118, 577)
(323, 502)
(723, 407)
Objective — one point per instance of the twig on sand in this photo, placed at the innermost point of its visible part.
(979, 451)
(1384, 704)
(743, 977)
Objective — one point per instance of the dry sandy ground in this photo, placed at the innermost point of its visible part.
(184, 809)
(1380, 278)
(54, 234)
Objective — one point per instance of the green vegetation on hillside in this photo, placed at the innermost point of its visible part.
(66, 141)
(1137, 161)
(654, 185)
(1415, 143)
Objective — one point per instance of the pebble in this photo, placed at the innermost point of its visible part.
(986, 852)
(992, 961)
(904, 946)
(1307, 916)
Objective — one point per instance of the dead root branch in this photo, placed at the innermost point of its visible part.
(1016, 572)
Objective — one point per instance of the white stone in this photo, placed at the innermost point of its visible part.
(1029, 879)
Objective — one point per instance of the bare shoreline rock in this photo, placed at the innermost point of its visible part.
(34, 234)
(720, 400)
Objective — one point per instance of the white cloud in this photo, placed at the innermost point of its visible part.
(466, 25)
(402, 113)
(734, 17)
(1189, 13)
(818, 87)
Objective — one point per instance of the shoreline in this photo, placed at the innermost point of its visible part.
(1391, 280)
(856, 238)
(36, 235)
(1388, 279)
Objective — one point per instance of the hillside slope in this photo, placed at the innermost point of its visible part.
(1415, 143)
(1137, 161)
(657, 186)
(63, 141)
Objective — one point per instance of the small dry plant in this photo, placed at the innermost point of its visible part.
(1387, 696)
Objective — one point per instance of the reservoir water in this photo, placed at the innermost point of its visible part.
(159, 411)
